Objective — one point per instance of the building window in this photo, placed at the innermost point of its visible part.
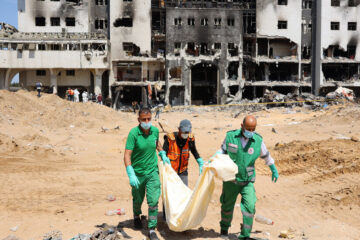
(352, 26)
(353, 3)
(231, 46)
(335, 26)
(217, 21)
(282, 24)
(128, 46)
(217, 45)
(101, 24)
(123, 22)
(177, 21)
(70, 72)
(101, 2)
(177, 45)
(55, 21)
(204, 22)
(282, 2)
(191, 21)
(231, 22)
(40, 21)
(42, 47)
(70, 21)
(40, 72)
(335, 3)
(307, 4)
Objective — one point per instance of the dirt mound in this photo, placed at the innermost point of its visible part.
(50, 111)
(320, 159)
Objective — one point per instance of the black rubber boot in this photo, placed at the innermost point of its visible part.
(137, 223)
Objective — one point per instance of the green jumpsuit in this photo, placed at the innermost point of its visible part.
(245, 160)
(144, 161)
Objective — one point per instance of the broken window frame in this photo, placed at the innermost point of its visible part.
(55, 21)
(307, 4)
(352, 26)
(38, 23)
(353, 3)
(177, 45)
(217, 22)
(40, 72)
(282, 24)
(335, 3)
(191, 21)
(282, 2)
(231, 22)
(70, 72)
(217, 46)
(70, 21)
(41, 47)
(204, 22)
(334, 26)
(177, 21)
(124, 22)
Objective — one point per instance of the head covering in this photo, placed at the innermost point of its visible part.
(185, 126)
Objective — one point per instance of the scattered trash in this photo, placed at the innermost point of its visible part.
(354, 139)
(273, 130)
(110, 197)
(117, 127)
(263, 220)
(71, 126)
(14, 229)
(82, 237)
(104, 129)
(53, 235)
(290, 233)
(120, 211)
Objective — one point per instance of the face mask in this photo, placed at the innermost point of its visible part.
(248, 134)
(184, 135)
(145, 125)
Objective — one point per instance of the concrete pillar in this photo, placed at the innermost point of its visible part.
(2, 78)
(7, 79)
(98, 81)
(144, 70)
(187, 92)
(299, 66)
(316, 65)
(53, 79)
(111, 80)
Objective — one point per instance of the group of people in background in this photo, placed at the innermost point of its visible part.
(74, 96)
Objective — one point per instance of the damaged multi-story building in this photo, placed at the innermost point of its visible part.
(180, 51)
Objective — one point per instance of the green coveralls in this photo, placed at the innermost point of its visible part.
(245, 160)
(144, 161)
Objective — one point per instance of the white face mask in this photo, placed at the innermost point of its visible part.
(184, 135)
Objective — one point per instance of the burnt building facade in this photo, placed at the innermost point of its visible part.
(186, 52)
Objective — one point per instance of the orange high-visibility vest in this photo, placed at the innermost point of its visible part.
(179, 158)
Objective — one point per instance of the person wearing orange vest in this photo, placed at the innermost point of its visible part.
(176, 150)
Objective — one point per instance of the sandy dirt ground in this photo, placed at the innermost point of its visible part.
(59, 160)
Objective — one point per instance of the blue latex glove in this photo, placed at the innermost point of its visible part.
(275, 174)
(134, 181)
(218, 152)
(201, 164)
(163, 156)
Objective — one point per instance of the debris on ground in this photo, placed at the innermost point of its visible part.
(341, 93)
(53, 235)
(290, 233)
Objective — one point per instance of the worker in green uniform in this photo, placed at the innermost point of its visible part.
(243, 146)
(141, 164)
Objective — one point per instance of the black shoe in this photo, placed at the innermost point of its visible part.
(224, 233)
(137, 223)
(152, 235)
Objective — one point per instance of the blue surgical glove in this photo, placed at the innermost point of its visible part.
(275, 174)
(201, 164)
(163, 156)
(134, 181)
(218, 152)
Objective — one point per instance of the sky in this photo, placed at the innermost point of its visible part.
(8, 14)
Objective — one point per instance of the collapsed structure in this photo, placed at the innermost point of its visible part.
(179, 51)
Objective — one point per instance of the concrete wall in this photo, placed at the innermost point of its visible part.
(52, 59)
(29, 9)
(268, 13)
(342, 37)
(2, 78)
(81, 78)
(139, 33)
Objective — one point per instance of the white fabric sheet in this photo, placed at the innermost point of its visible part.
(185, 209)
